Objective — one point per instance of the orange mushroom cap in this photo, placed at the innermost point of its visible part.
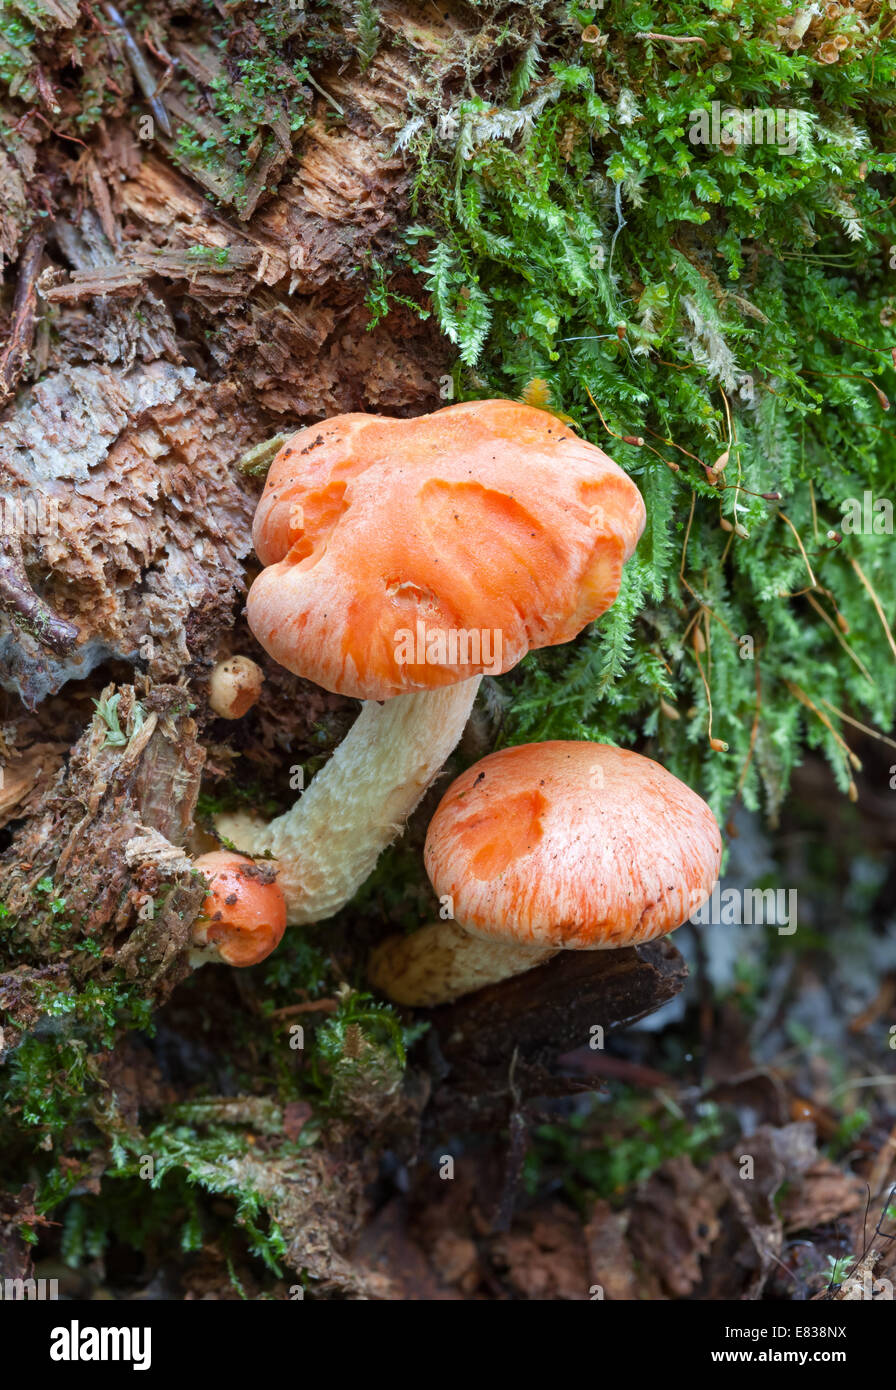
(244, 916)
(484, 518)
(576, 846)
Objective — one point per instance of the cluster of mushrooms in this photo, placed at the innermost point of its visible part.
(489, 516)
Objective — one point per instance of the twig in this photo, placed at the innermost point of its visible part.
(872, 1011)
(328, 1006)
(21, 337)
(672, 38)
(884, 1161)
(59, 133)
(25, 607)
(139, 67)
(318, 88)
(163, 58)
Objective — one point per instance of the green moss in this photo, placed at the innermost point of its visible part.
(133, 1211)
(575, 234)
(377, 1024)
(258, 90)
(49, 1080)
(210, 254)
(16, 59)
(594, 1160)
(368, 31)
(107, 710)
(380, 298)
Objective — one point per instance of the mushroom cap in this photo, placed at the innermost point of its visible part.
(234, 686)
(578, 846)
(244, 916)
(489, 520)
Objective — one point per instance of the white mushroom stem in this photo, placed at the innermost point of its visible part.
(444, 960)
(328, 844)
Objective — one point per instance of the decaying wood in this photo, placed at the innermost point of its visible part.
(16, 1212)
(25, 608)
(500, 1045)
(21, 336)
(187, 311)
(134, 780)
(142, 520)
(27, 775)
(33, 748)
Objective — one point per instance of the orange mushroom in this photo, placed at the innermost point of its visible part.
(487, 516)
(552, 847)
(404, 558)
(244, 916)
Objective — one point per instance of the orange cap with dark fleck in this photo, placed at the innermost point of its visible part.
(244, 915)
(578, 846)
(409, 554)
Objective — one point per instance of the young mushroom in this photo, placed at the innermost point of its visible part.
(244, 916)
(234, 686)
(551, 847)
(404, 558)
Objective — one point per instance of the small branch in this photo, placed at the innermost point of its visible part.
(60, 133)
(328, 1006)
(673, 38)
(21, 337)
(140, 68)
(25, 607)
(324, 93)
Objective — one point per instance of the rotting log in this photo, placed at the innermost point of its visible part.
(109, 836)
(496, 1048)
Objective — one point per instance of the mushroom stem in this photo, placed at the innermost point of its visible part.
(327, 845)
(444, 960)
